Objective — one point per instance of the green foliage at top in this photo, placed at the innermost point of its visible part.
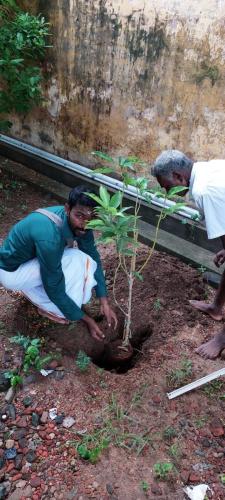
(23, 42)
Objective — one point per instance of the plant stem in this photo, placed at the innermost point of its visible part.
(161, 216)
(114, 290)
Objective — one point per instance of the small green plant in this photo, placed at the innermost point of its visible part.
(83, 361)
(32, 358)
(213, 388)
(207, 71)
(162, 470)
(144, 486)
(157, 305)
(222, 478)
(180, 375)
(175, 452)
(14, 377)
(202, 269)
(200, 422)
(169, 433)
(120, 224)
(91, 453)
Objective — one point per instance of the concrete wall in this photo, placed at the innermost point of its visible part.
(132, 76)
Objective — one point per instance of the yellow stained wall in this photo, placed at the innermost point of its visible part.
(131, 76)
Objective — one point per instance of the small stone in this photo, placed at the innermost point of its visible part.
(9, 443)
(2, 462)
(44, 417)
(10, 394)
(4, 382)
(27, 493)
(11, 410)
(206, 443)
(19, 434)
(16, 477)
(31, 456)
(59, 419)
(68, 422)
(23, 443)
(10, 454)
(95, 485)
(3, 491)
(51, 435)
(19, 461)
(155, 489)
(109, 488)
(22, 422)
(217, 428)
(156, 399)
(193, 478)
(35, 482)
(21, 484)
(27, 401)
(35, 419)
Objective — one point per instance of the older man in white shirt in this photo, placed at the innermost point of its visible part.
(206, 183)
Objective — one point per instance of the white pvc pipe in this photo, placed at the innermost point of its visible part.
(115, 184)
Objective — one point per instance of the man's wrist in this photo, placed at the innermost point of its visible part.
(103, 300)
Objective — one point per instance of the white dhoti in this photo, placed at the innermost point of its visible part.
(78, 269)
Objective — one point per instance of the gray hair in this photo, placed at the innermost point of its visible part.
(170, 161)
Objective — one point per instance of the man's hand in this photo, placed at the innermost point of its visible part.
(93, 328)
(106, 310)
(219, 258)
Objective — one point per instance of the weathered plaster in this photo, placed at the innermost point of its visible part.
(132, 76)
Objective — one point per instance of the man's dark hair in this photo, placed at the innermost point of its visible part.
(169, 161)
(78, 196)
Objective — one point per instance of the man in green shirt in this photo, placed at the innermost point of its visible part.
(35, 259)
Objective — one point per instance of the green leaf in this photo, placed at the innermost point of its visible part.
(126, 162)
(138, 276)
(175, 208)
(103, 170)
(16, 62)
(103, 156)
(104, 195)
(32, 351)
(95, 198)
(176, 190)
(116, 199)
(95, 222)
(83, 451)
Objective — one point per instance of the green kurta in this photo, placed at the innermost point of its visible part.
(38, 236)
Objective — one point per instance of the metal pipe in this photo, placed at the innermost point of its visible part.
(87, 173)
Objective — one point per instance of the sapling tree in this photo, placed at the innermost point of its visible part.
(120, 224)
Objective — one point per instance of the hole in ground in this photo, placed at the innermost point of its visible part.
(118, 360)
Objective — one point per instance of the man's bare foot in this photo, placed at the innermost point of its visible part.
(209, 309)
(213, 348)
(53, 317)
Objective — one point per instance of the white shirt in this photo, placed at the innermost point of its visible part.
(207, 188)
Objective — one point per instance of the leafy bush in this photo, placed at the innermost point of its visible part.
(23, 41)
